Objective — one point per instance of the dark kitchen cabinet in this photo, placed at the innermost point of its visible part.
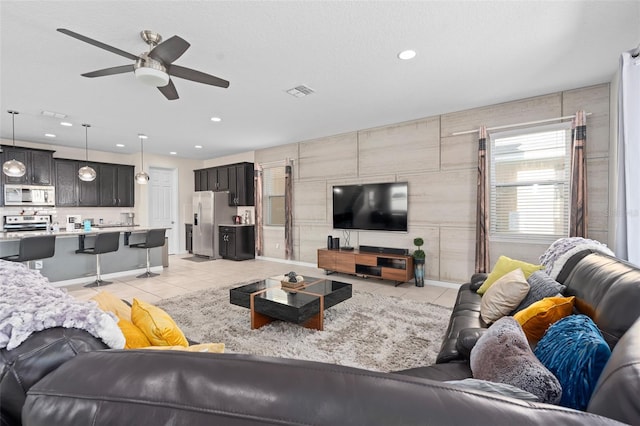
(189, 237)
(88, 192)
(237, 242)
(218, 178)
(39, 164)
(241, 185)
(235, 178)
(113, 186)
(66, 172)
(116, 187)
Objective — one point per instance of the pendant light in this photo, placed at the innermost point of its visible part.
(86, 173)
(142, 177)
(13, 168)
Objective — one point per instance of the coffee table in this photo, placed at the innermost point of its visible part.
(268, 301)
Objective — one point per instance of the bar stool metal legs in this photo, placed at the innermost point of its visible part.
(154, 238)
(106, 242)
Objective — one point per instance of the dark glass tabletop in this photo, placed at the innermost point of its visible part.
(293, 305)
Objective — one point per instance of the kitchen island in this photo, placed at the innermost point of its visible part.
(68, 268)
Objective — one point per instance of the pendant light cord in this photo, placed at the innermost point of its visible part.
(13, 126)
(141, 155)
(86, 143)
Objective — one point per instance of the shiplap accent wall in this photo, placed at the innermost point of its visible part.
(441, 172)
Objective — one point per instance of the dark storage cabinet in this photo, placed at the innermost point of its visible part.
(113, 186)
(39, 164)
(116, 185)
(235, 178)
(237, 242)
(189, 236)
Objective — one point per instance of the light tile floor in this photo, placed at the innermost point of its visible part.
(184, 276)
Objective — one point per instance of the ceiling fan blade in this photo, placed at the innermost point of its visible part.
(193, 75)
(169, 91)
(109, 71)
(169, 50)
(98, 44)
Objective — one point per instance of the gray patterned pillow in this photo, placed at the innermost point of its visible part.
(503, 355)
(541, 285)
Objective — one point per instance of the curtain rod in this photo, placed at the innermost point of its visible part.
(548, 120)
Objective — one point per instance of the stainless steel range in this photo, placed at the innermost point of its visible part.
(19, 223)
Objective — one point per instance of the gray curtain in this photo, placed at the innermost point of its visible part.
(258, 209)
(288, 210)
(482, 215)
(578, 218)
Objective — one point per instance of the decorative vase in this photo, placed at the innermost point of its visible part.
(418, 272)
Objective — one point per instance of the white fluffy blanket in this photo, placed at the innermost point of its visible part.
(558, 253)
(29, 303)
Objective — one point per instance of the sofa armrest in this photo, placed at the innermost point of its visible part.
(477, 280)
(467, 339)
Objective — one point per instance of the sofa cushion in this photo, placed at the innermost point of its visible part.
(575, 352)
(617, 390)
(157, 325)
(505, 265)
(541, 285)
(607, 290)
(503, 296)
(495, 388)
(503, 355)
(539, 316)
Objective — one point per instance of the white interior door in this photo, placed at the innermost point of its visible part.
(163, 208)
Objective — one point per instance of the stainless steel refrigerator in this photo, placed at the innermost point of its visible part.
(210, 209)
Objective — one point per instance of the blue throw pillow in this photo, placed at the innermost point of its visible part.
(575, 352)
(541, 285)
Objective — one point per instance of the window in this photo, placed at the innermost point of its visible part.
(529, 183)
(274, 184)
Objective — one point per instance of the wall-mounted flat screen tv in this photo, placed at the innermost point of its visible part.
(371, 206)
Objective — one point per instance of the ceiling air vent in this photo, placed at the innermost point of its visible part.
(300, 91)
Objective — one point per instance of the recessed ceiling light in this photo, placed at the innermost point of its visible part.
(216, 119)
(143, 136)
(50, 135)
(66, 124)
(407, 54)
(198, 146)
(173, 153)
(119, 145)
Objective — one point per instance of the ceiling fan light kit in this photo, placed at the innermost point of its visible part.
(13, 167)
(155, 67)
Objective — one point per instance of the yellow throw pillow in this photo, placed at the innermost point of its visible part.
(203, 347)
(540, 315)
(503, 266)
(157, 325)
(111, 303)
(135, 338)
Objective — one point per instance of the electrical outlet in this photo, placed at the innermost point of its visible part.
(277, 245)
(38, 264)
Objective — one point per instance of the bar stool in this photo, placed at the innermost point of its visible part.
(106, 242)
(34, 248)
(154, 238)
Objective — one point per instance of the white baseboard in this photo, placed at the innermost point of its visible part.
(107, 277)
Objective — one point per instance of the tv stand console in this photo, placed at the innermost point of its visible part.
(394, 267)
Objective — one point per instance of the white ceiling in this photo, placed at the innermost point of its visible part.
(470, 54)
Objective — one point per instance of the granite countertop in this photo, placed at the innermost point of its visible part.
(235, 224)
(63, 233)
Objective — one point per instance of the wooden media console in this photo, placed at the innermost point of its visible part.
(394, 267)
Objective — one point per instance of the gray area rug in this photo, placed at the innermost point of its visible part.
(375, 332)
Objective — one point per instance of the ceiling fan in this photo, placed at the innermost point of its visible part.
(154, 67)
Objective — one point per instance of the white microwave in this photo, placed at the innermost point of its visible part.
(29, 195)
